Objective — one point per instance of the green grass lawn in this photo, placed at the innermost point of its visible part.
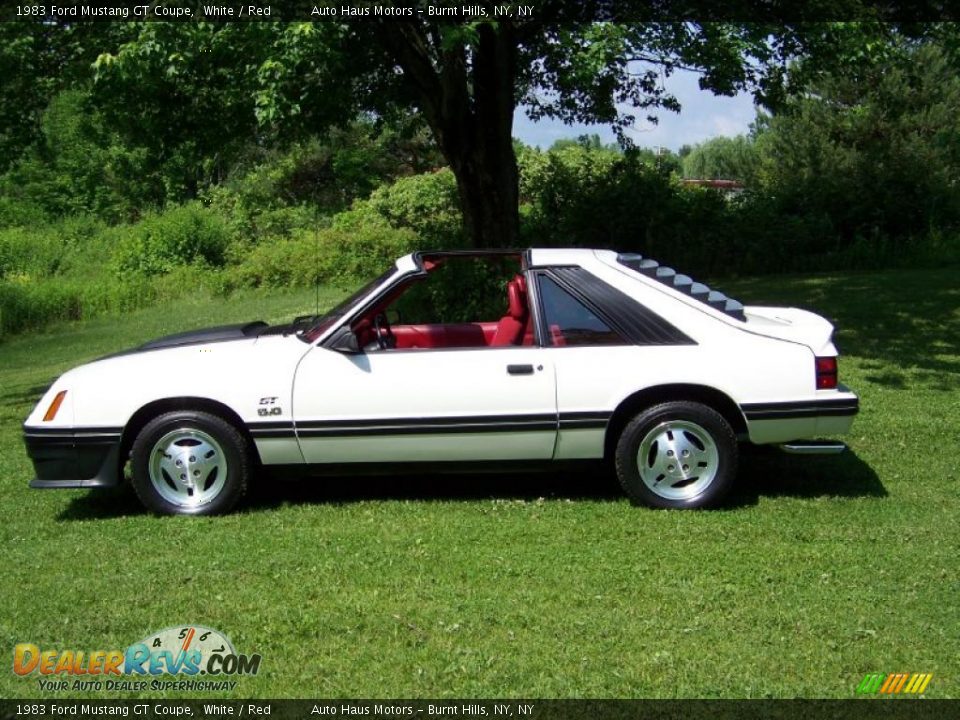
(819, 571)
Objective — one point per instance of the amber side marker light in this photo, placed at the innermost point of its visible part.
(54, 406)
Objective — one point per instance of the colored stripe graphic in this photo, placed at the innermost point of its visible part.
(894, 683)
(901, 679)
(923, 679)
(888, 682)
(870, 683)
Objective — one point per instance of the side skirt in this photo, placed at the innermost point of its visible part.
(293, 472)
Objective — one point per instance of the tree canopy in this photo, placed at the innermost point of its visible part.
(462, 80)
(192, 95)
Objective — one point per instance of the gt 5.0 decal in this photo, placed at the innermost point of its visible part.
(268, 407)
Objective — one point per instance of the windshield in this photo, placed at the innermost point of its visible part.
(322, 322)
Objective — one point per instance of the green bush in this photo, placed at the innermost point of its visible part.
(329, 174)
(250, 222)
(78, 164)
(326, 255)
(425, 204)
(590, 198)
(35, 304)
(597, 197)
(29, 253)
(723, 158)
(272, 193)
(19, 212)
(78, 246)
(188, 234)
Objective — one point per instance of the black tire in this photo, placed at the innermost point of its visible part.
(219, 476)
(701, 478)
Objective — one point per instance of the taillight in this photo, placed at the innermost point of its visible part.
(54, 406)
(826, 373)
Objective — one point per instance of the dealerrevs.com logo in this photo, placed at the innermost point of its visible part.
(190, 651)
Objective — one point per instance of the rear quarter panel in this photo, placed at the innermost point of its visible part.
(745, 366)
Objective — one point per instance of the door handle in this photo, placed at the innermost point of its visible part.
(520, 369)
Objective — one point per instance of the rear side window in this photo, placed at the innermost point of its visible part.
(569, 322)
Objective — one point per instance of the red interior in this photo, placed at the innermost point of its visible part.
(514, 328)
(440, 336)
(511, 326)
(556, 335)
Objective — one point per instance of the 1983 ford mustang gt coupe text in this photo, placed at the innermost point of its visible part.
(453, 359)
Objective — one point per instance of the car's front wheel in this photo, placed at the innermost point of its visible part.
(190, 463)
(677, 455)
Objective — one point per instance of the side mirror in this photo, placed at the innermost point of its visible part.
(345, 341)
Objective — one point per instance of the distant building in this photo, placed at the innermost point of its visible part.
(729, 188)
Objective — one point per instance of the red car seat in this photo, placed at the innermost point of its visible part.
(511, 326)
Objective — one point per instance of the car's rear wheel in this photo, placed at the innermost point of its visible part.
(190, 463)
(677, 455)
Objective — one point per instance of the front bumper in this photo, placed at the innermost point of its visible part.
(74, 458)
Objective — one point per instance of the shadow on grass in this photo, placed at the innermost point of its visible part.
(764, 472)
(268, 493)
(905, 319)
(768, 472)
(103, 504)
(594, 484)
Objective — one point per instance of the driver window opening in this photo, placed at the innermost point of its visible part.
(462, 302)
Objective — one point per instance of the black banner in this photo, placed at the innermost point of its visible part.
(762, 11)
(878, 709)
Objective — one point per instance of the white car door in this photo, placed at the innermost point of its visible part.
(427, 405)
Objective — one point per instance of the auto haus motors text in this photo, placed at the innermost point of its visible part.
(97, 668)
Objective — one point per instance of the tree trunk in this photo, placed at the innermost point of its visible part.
(469, 104)
(488, 186)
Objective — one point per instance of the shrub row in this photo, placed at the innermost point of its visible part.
(38, 303)
(589, 197)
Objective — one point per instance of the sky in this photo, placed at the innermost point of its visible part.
(703, 115)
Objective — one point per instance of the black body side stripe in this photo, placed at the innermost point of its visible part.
(73, 431)
(584, 420)
(544, 422)
(275, 429)
(801, 409)
(428, 429)
(417, 421)
(92, 434)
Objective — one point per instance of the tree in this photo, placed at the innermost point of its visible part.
(184, 92)
(722, 158)
(466, 79)
(38, 59)
(871, 157)
(78, 165)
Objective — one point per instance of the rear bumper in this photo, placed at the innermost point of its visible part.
(813, 447)
(780, 422)
(77, 458)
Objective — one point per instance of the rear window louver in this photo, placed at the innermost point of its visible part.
(684, 283)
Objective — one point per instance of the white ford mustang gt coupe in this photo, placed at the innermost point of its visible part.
(577, 355)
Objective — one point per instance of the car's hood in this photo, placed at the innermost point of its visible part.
(204, 336)
(222, 333)
(792, 324)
